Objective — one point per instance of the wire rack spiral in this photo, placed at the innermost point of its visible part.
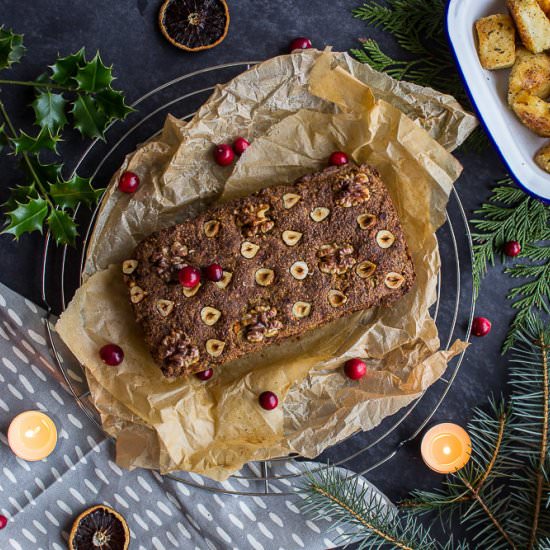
(362, 452)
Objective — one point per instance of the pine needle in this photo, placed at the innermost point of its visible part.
(511, 215)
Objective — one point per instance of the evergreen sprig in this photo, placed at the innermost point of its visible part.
(511, 215)
(502, 495)
(362, 515)
(74, 92)
(418, 28)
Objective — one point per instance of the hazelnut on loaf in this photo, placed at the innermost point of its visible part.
(294, 257)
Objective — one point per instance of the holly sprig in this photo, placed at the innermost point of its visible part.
(74, 93)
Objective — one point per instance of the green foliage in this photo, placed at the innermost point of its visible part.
(501, 496)
(3, 137)
(49, 111)
(62, 226)
(24, 143)
(94, 76)
(69, 194)
(418, 28)
(511, 215)
(361, 514)
(89, 119)
(65, 69)
(27, 217)
(11, 48)
(74, 89)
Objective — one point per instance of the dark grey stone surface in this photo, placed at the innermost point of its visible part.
(126, 33)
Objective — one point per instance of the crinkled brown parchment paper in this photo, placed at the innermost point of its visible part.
(295, 109)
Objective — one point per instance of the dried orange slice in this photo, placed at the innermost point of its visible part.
(194, 25)
(99, 527)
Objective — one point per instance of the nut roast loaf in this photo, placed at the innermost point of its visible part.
(294, 257)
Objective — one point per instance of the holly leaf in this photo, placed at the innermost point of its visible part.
(94, 76)
(3, 138)
(50, 173)
(70, 193)
(29, 144)
(49, 110)
(65, 69)
(20, 195)
(112, 103)
(63, 227)
(88, 118)
(26, 217)
(11, 48)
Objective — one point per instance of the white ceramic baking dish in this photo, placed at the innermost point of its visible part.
(487, 90)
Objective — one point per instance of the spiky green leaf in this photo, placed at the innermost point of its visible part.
(89, 119)
(63, 227)
(70, 193)
(25, 143)
(65, 69)
(49, 110)
(26, 217)
(94, 76)
(20, 195)
(11, 48)
(113, 104)
(3, 138)
(47, 173)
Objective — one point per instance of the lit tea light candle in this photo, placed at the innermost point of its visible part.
(446, 448)
(32, 435)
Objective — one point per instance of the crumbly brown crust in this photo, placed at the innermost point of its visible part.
(295, 257)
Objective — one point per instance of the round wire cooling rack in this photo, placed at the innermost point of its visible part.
(362, 452)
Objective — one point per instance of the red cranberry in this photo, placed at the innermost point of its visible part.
(224, 155)
(205, 374)
(3, 521)
(213, 272)
(240, 145)
(128, 182)
(268, 400)
(111, 355)
(338, 158)
(481, 326)
(300, 43)
(189, 276)
(512, 249)
(355, 369)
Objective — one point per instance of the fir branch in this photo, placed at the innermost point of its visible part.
(530, 398)
(470, 493)
(362, 512)
(503, 493)
(511, 215)
(418, 28)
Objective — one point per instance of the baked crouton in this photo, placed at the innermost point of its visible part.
(531, 72)
(534, 112)
(543, 158)
(496, 41)
(545, 5)
(532, 24)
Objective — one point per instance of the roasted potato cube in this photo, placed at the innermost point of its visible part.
(532, 24)
(496, 41)
(534, 112)
(542, 158)
(545, 5)
(531, 73)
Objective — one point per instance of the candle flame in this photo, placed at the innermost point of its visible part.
(447, 450)
(32, 432)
